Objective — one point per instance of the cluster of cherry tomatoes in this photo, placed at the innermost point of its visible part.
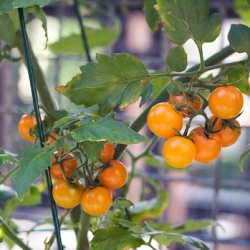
(203, 143)
(95, 196)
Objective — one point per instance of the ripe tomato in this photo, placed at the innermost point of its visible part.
(67, 194)
(208, 148)
(225, 102)
(162, 118)
(227, 135)
(68, 165)
(114, 176)
(51, 138)
(176, 100)
(96, 201)
(179, 152)
(26, 123)
(107, 152)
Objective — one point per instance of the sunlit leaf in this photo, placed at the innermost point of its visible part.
(188, 19)
(159, 84)
(118, 80)
(241, 7)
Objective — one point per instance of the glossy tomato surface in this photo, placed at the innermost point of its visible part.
(107, 153)
(25, 124)
(163, 118)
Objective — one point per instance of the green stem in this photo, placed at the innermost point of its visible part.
(41, 85)
(7, 176)
(164, 95)
(82, 235)
(12, 235)
(75, 216)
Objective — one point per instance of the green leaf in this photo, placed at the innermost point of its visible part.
(104, 130)
(150, 209)
(110, 82)
(159, 84)
(92, 149)
(239, 38)
(177, 59)
(195, 242)
(8, 5)
(115, 236)
(188, 19)
(6, 193)
(37, 12)
(32, 197)
(34, 161)
(241, 7)
(123, 203)
(243, 156)
(152, 17)
(6, 158)
(7, 30)
(5, 53)
(237, 75)
(72, 44)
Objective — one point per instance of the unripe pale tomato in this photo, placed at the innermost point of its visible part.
(178, 151)
(96, 201)
(225, 102)
(114, 176)
(107, 153)
(227, 135)
(208, 148)
(67, 194)
(176, 100)
(26, 123)
(69, 163)
(162, 118)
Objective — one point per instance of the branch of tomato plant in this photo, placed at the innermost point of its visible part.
(8, 175)
(12, 235)
(164, 94)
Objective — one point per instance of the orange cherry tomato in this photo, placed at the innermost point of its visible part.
(114, 176)
(51, 138)
(96, 201)
(208, 148)
(227, 135)
(176, 100)
(162, 118)
(67, 194)
(69, 163)
(178, 151)
(225, 102)
(25, 124)
(107, 152)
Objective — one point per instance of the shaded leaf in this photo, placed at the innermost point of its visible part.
(149, 209)
(115, 236)
(104, 130)
(73, 44)
(34, 161)
(159, 84)
(31, 198)
(6, 158)
(92, 149)
(243, 156)
(195, 242)
(8, 5)
(177, 59)
(6, 193)
(151, 15)
(188, 19)
(7, 30)
(120, 80)
(239, 38)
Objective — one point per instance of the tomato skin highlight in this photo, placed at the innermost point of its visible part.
(107, 153)
(162, 118)
(66, 194)
(96, 201)
(227, 136)
(176, 100)
(27, 122)
(114, 176)
(225, 102)
(68, 165)
(208, 148)
(179, 152)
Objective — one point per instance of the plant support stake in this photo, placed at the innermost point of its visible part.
(39, 123)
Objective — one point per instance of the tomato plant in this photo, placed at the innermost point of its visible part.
(96, 201)
(68, 163)
(67, 194)
(114, 176)
(107, 152)
(208, 147)
(226, 102)
(25, 125)
(179, 152)
(163, 119)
